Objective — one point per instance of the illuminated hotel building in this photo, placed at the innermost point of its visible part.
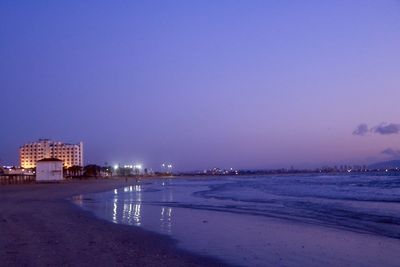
(70, 154)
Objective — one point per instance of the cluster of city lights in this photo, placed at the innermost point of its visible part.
(136, 166)
(164, 165)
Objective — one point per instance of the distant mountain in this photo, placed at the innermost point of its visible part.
(385, 165)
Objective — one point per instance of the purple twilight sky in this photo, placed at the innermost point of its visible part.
(244, 84)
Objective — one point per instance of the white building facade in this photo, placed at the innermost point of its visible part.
(49, 170)
(69, 154)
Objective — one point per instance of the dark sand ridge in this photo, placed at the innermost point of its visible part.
(40, 226)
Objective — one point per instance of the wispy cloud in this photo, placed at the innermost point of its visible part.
(361, 129)
(395, 153)
(382, 129)
(386, 129)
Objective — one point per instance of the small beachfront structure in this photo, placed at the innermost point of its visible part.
(49, 170)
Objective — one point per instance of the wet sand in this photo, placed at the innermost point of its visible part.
(40, 226)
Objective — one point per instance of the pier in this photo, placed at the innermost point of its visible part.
(17, 179)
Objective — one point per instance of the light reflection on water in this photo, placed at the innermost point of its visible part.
(78, 200)
(166, 220)
(126, 207)
(115, 201)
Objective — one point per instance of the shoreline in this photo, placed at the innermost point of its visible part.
(40, 225)
(251, 227)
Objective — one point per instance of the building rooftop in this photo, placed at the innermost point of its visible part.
(49, 159)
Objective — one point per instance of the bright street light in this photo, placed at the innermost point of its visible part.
(138, 166)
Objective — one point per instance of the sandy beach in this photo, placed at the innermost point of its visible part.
(39, 226)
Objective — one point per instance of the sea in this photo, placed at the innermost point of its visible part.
(271, 220)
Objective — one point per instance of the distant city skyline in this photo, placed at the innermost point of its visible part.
(201, 84)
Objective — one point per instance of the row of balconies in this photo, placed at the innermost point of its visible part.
(54, 151)
(58, 154)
